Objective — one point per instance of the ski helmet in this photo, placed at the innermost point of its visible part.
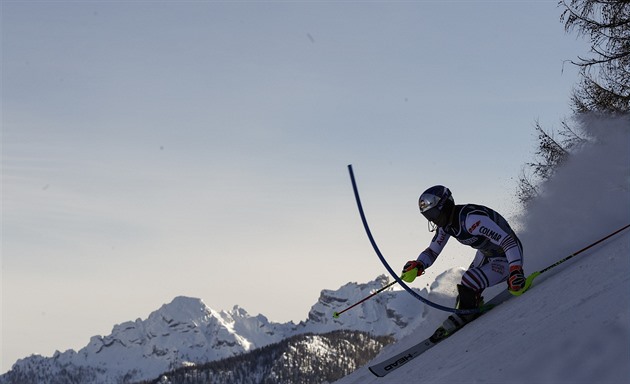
(436, 204)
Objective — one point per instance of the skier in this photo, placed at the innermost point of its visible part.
(499, 254)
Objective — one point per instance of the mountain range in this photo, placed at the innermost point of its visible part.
(186, 332)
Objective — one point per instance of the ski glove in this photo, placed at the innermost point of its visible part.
(516, 281)
(411, 270)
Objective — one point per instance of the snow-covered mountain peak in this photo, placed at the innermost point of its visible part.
(183, 309)
(351, 291)
(388, 313)
(238, 312)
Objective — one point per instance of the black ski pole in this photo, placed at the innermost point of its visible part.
(531, 277)
(336, 314)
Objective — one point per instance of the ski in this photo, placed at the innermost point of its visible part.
(389, 365)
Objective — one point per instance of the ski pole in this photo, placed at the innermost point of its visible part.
(336, 314)
(531, 277)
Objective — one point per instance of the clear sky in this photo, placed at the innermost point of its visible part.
(155, 149)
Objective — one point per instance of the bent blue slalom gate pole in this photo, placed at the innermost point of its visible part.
(389, 269)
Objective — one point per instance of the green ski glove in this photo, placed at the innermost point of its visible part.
(411, 270)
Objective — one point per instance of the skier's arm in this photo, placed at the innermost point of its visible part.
(428, 256)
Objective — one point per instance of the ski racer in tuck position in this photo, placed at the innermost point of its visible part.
(499, 254)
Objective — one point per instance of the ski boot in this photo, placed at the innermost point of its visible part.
(467, 299)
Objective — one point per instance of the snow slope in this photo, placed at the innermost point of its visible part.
(573, 326)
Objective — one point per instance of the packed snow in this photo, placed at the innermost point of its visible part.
(573, 325)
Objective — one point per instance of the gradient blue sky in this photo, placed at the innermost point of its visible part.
(156, 149)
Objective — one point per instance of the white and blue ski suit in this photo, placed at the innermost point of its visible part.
(488, 232)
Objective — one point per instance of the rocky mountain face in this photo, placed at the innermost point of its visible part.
(186, 332)
(302, 359)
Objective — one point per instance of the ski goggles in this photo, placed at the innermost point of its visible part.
(429, 207)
